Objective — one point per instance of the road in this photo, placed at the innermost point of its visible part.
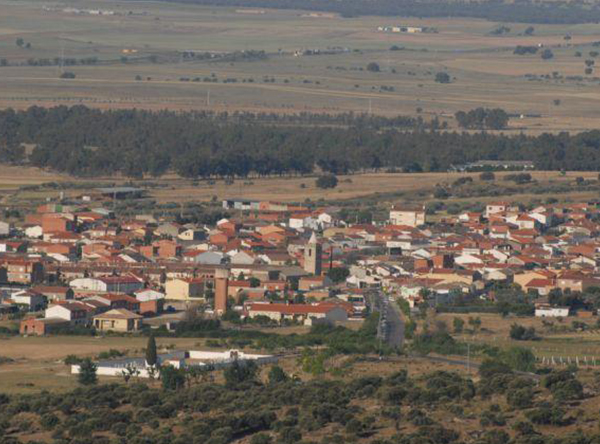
(391, 325)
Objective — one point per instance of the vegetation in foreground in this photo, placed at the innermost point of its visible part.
(275, 407)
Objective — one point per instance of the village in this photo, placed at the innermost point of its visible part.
(68, 267)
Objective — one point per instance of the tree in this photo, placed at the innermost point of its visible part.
(129, 372)
(458, 325)
(547, 54)
(277, 375)
(442, 77)
(172, 378)
(239, 372)
(338, 274)
(529, 30)
(20, 42)
(373, 67)
(151, 356)
(327, 181)
(520, 333)
(87, 372)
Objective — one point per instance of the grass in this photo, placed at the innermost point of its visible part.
(486, 71)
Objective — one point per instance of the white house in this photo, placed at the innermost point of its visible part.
(34, 301)
(4, 228)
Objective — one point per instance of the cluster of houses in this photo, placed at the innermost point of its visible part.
(72, 267)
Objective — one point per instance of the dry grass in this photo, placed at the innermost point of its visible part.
(386, 187)
(38, 360)
(486, 71)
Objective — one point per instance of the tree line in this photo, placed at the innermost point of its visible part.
(87, 142)
(524, 11)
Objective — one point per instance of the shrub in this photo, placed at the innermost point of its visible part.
(520, 398)
(520, 333)
(327, 181)
(373, 67)
(487, 175)
(442, 77)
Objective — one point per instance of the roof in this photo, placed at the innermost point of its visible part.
(119, 313)
(291, 308)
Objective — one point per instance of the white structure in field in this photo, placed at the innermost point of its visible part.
(179, 359)
(551, 312)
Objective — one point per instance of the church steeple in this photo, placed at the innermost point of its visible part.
(313, 253)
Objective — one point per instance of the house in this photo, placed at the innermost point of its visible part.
(119, 320)
(184, 289)
(497, 207)
(41, 327)
(23, 271)
(74, 312)
(34, 301)
(308, 283)
(113, 301)
(54, 293)
(4, 228)
(410, 216)
(306, 314)
(151, 302)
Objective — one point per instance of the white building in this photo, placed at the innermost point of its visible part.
(551, 312)
(406, 215)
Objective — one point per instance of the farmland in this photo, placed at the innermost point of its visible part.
(141, 63)
(382, 188)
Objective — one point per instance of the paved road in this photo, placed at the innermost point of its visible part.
(391, 325)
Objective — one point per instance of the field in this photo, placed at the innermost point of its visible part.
(484, 69)
(368, 189)
(38, 360)
(568, 345)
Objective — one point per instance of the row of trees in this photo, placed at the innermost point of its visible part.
(525, 11)
(85, 141)
(483, 118)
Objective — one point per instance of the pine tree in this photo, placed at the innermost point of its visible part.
(151, 357)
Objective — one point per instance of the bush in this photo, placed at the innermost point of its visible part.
(327, 181)
(373, 67)
(520, 398)
(520, 333)
(487, 175)
(442, 77)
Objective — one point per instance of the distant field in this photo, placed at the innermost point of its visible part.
(384, 186)
(487, 72)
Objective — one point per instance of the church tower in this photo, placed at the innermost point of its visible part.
(312, 256)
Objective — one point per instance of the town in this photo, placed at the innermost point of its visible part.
(76, 266)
